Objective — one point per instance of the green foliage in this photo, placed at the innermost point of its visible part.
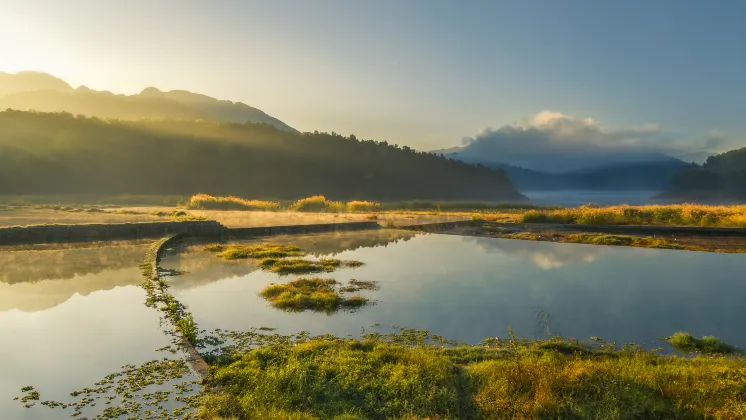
(63, 154)
(316, 294)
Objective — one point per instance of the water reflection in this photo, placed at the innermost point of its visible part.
(39, 279)
(545, 256)
(470, 288)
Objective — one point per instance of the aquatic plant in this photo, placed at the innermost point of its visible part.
(300, 265)
(317, 294)
(355, 285)
(255, 251)
(705, 345)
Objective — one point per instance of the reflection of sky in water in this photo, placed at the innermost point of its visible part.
(470, 288)
(67, 332)
(71, 317)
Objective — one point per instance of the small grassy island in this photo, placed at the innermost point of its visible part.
(316, 294)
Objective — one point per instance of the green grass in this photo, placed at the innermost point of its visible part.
(379, 378)
(303, 266)
(256, 251)
(316, 294)
(705, 345)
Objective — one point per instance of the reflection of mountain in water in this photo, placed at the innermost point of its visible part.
(35, 280)
(546, 256)
(66, 262)
(204, 268)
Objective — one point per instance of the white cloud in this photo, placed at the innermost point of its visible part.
(554, 141)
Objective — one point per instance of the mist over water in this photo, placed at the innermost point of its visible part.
(574, 198)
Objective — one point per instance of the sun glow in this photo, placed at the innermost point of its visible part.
(25, 47)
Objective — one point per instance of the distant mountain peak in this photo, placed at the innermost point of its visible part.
(28, 90)
(151, 91)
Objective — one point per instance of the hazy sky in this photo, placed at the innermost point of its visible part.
(424, 73)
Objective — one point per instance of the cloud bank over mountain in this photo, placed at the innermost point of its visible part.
(555, 142)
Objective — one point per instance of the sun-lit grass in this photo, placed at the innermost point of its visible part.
(256, 251)
(208, 202)
(316, 294)
(674, 215)
(363, 206)
(392, 378)
(302, 266)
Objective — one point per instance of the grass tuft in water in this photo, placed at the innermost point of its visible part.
(316, 294)
(284, 266)
(257, 251)
(705, 345)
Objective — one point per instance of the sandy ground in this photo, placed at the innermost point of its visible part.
(27, 216)
(232, 219)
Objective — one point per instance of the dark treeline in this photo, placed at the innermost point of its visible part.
(721, 176)
(64, 154)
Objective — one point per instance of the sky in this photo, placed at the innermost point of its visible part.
(429, 74)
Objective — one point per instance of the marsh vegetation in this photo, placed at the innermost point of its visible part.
(670, 215)
(315, 294)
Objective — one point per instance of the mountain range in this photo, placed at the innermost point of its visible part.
(639, 171)
(45, 93)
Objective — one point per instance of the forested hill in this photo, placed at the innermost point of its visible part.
(46, 93)
(720, 177)
(60, 153)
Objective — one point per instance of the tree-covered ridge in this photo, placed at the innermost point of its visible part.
(46, 93)
(61, 153)
(721, 176)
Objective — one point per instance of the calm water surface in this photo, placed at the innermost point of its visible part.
(68, 317)
(468, 288)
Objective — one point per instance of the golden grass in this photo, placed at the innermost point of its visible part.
(208, 202)
(671, 215)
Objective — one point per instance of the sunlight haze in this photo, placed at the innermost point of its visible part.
(420, 73)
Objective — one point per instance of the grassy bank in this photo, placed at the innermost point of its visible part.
(671, 215)
(320, 203)
(405, 377)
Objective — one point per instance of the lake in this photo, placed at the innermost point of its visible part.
(469, 288)
(70, 315)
